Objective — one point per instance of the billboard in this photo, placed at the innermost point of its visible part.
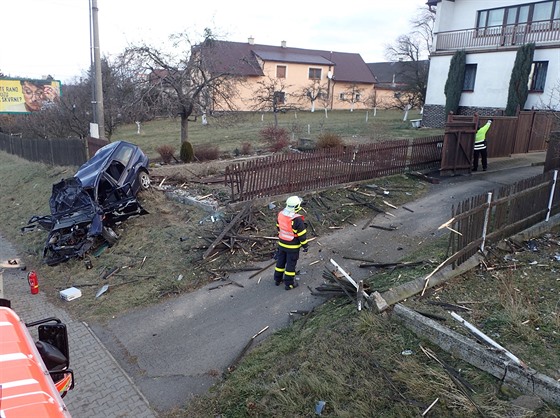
(21, 95)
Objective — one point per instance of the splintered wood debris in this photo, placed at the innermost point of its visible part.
(251, 232)
(340, 283)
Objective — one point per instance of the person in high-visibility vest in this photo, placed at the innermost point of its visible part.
(480, 147)
(292, 235)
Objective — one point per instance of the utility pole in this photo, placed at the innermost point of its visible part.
(97, 101)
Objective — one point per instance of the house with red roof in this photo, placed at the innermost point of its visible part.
(303, 79)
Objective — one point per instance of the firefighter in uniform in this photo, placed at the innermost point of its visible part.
(480, 147)
(292, 235)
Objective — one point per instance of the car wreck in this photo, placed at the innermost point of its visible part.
(85, 208)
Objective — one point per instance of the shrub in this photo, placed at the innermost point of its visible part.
(273, 133)
(246, 148)
(329, 140)
(454, 84)
(277, 138)
(207, 152)
(279, 144)
(518, 88)
(166, 153)
(187, 152)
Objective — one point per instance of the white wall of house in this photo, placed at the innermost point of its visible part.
(493, 67)
(491, 83)
(492, 80)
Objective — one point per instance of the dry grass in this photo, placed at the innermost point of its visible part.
(353, 361)
(231, 132)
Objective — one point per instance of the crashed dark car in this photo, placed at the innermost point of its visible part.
(86, 207)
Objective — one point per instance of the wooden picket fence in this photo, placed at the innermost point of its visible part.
(295, 172)
(492, 216)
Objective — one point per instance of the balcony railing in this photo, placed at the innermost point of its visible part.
(544, 32)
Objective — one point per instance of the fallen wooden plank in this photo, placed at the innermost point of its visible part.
(384, 228)
(392, 265)
(450, 306)
(242, 213)
(263, 269)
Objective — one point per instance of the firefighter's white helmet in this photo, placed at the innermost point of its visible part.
(293, 203)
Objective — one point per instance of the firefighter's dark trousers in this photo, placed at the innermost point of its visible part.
(286, 266)
(483, 155)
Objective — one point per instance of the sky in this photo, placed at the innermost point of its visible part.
(52, 37)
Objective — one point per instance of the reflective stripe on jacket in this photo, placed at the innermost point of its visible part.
(480, 138)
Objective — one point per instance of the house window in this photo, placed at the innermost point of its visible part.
(537, 76)
(542, 11)
(525, 13)
(470, 77)
(280, 97)
(357, 97)
(280, 71)
(342, 96)
(315, 73)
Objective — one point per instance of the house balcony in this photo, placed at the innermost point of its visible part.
(544, 33)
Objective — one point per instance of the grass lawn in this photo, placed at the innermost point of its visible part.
(230, 132)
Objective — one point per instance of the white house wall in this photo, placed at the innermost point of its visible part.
(492, 79)
(493, 66)
(491, 83)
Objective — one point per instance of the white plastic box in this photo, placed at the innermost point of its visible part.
(70, 294)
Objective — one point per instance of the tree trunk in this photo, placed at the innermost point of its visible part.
(184, 128)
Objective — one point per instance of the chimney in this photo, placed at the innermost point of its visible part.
(251, 40)
(283, 44)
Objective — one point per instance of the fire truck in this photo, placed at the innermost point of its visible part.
(34, 375)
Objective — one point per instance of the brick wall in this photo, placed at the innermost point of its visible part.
(434, 115)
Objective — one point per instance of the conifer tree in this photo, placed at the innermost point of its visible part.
(454, 84)
(518, 83)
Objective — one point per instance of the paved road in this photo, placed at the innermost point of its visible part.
(179, 348)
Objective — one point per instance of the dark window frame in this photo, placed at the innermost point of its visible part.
(280, 97)
(537, 77)
(470, 77)
(315, 73)
(281, 71)
(507, 9)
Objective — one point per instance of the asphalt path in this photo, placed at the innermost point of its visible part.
(182, 346)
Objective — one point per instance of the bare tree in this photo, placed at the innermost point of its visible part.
(314, 91)
(271, 95)
(187, 77)
(373, 101)
(413, 50)
(352, 95)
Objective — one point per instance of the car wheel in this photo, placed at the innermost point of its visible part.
(144, 180)
(109, 235)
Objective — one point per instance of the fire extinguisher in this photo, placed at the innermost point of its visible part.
(33, 282)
